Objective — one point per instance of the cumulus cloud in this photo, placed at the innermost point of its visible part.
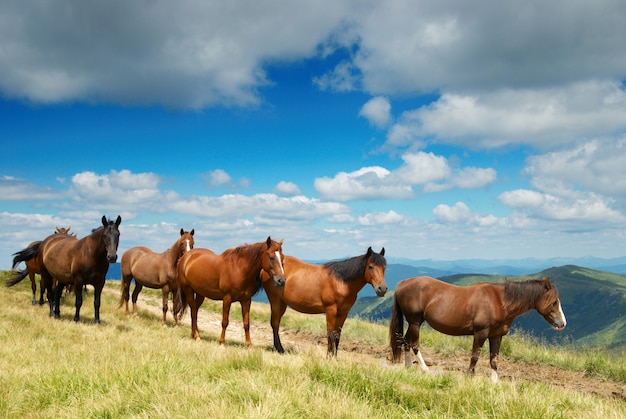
(542, 117)
(377, 111)
(116, 189)
(287, 188)
(14, 189)
(461, 214)
(427, 171)
(219, 177)
(366, 183)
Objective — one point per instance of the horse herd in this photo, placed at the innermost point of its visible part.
(190, 274)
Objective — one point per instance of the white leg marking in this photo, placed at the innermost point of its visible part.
(420, 359)
(494, 376)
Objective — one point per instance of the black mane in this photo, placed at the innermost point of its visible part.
(353, 268)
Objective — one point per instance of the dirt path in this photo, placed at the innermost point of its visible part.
(294, 341)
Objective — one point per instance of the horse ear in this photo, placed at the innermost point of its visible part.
(369, 251)
(104, 220)
(547, 279)
(269, 241)
(182, 231)
(382, 251)
(118, 221)
(192, 231)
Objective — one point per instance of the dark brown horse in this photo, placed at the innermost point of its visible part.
(78, 262)
(33, 268)
(331, 288)
(232, 276)
(483, 310)
(154, 270)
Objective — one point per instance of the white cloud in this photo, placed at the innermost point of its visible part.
(219, 177)
(366, 183)
(433, 173)
(381, 218)
(287, 188)
(14, 189)
(541, 117)
(377, 111)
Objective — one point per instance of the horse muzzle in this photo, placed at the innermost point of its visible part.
(112, 258)
(279, 281)
(381, 290)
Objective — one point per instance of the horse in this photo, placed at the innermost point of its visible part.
(33, 268)
(154, 270)
(75, 261)
(232, 276)
(330, 288)
(484, 310)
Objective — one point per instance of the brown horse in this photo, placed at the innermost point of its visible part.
(483, 310)
(232, 276)
(330, 288)
(154, 270)
(78, 262)
(33, 268)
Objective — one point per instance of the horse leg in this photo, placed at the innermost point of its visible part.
(78, 294)
(56, 305)
(226, 302)
(125, 291)
(165, 291)
(33, 285)
(332, 334)
(194, 304)
(97, 293)
(412, 339)
(136, 291)
(245, 314)
(42, 286)
(479, 340)
(278, 310)
(494, 350)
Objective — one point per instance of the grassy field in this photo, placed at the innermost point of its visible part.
(134, 367)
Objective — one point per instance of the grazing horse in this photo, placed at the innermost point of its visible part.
(76, 262)
(33, 268)
(331, 288)
(483, 310)
(232, 276)
(154, 270)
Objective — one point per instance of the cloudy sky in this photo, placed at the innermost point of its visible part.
(437, 129)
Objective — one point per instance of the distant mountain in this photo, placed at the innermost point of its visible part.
(594, 303)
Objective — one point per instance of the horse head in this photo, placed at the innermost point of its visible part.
(549, 306)
(186, 241)
(375, 265)
(273, 261)
(111, 237)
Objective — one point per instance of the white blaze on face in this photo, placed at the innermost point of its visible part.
(280, 262)
(562, 314)
(187, 246)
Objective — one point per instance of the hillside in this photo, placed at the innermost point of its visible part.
(594, 303)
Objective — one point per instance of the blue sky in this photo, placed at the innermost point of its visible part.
(436, 129)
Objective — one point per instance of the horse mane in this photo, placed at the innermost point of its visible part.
(352, 269)
(251, 252)
(524, 293)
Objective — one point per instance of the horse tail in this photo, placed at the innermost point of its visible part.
(22, 256)
(25, 254)
(396, 330)
(180, 305)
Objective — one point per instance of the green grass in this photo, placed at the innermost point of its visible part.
(134, 367)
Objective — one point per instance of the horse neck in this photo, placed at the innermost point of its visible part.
(250, 253)
(351, 271)
(521, 297)
(173, 254)
(95, 240)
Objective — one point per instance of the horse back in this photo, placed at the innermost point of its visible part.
(63, 258)
(449, 308)
(308, 288)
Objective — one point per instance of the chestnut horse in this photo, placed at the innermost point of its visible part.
(232, 276)
(154, 270)
(33, 268)
(483, 310)
(330, 288)
(76, 262)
